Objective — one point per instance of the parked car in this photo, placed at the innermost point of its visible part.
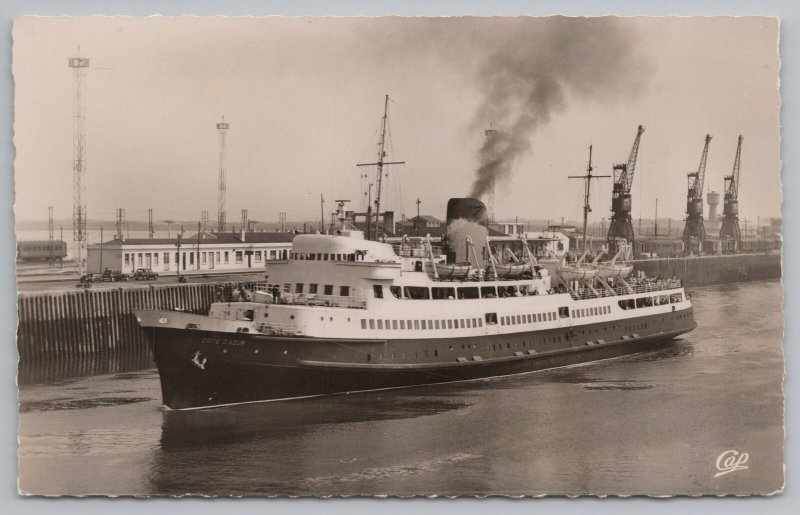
(113, 275)
(144, 274)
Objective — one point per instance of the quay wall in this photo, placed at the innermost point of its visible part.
(68, 324)
(74, 324)
(707, 270)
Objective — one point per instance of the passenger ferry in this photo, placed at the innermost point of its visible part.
(347, 314)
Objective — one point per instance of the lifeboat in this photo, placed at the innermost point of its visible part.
(579, 271)
(449, 271)
(611, 268)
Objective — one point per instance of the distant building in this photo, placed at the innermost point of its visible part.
(210, 252)
(548, 243)
(424, 221)
(510, 228)
(666, 247)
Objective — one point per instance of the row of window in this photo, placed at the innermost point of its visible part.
(529, 318)
(456, 323)
(589, 312)
(313, 289)
(449, 292)
(152, 258)
(327, 256)
(646, 302)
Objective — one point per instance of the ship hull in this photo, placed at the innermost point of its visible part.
(204, 369)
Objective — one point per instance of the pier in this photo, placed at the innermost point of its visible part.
(69, 324)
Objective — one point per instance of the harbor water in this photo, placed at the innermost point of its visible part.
(656, 423)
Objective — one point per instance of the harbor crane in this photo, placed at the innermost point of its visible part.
(620, 230)
(729, 234)
(694, 232)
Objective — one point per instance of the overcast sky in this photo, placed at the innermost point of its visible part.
(304, 98)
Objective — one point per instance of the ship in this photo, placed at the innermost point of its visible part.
(348, 314)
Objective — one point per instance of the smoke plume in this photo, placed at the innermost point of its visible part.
(534, 73)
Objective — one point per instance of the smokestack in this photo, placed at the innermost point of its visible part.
(243, 233)
(466, 217)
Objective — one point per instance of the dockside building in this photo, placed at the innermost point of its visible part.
(206, 252)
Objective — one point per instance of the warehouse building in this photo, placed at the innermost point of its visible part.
(204, 252)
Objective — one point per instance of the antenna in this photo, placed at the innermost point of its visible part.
(587, 184)
(222, 130)
(79, 66)
(380, 164)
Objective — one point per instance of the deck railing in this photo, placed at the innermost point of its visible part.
(636, 287)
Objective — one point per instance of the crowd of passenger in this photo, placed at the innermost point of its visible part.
(229, 292)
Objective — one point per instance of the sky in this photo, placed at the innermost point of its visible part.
(304, 99)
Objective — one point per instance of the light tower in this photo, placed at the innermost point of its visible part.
(79, 66)
(222, 129)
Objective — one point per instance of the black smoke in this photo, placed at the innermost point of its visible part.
(537, 69)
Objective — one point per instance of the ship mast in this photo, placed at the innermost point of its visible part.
(588, 181)
(380, 163)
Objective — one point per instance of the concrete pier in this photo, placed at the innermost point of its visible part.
(68, 324)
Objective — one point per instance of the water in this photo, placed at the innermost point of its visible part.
(653, 423)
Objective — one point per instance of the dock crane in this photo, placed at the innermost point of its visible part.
(620, 231)
(729, 234)
(694, 233)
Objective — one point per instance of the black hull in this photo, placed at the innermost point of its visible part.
(201, 369)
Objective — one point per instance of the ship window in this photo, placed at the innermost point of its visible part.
(436, 352)
(449, 324)
(436, 324)
(394, 324)
(502, 320)
(416, 324)
(643, 302)
(675, 297)
(344, 291)
(371, 323)
(352, 257)
(530, 318)
(563, 312)
(468, 293)
(377, 289)
(388, 324)
(491, 318)
(325, 257)
(520, 319)
(402, 324)
(396, 291)
(409, 324)
(312, 288)
(480, 322)
(488, 292)
(461, 323)
(127, 259)
(363, 323)
(328, 289)
(443, 293)
(380, 324)
(424, 324)
(298, 288)
(311, 257)
(417, 292)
